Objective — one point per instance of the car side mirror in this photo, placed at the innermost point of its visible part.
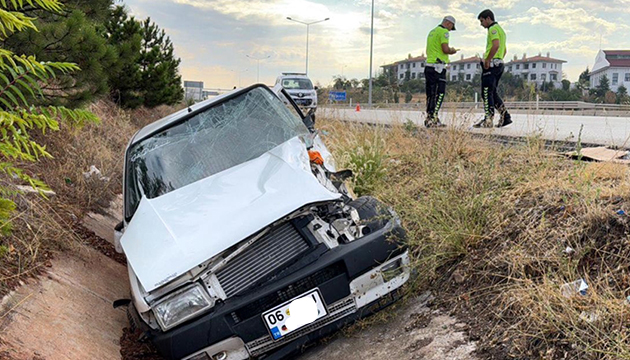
(316, 88)
(119, 230)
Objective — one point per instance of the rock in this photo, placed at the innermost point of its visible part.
(458, 277)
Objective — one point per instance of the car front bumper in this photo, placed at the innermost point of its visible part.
(348, 277)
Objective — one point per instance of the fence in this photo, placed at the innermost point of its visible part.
(531, 107)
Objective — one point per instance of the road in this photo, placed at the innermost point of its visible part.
(596, 129)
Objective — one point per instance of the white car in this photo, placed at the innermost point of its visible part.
(234, 215)
(301, 89)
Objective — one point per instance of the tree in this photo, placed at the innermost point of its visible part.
(602, 89)
(622, 95)
(339, 82)
(69, 35)
(566, 85)
(584, 81)
(161, 82)
(408, 97)
(124, 33)
(22, 80)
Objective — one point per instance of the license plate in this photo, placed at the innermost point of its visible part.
(277, 319)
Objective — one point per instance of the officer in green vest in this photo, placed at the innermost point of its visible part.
(438, 51)
(492, 70)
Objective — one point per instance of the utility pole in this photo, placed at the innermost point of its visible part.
(371, 52)
(307, 34)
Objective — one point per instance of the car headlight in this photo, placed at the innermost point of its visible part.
(181, 306)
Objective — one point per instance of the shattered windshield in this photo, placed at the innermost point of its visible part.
(297, 84)
(228, 134)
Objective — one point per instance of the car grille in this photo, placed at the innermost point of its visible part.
(336, 311)
(296, 289)
(261, 259)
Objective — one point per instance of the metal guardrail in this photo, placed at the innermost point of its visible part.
(534, 107)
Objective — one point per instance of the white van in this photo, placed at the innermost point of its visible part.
(301, 89)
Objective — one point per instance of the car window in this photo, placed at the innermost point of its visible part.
(226, 135)
(297, 84)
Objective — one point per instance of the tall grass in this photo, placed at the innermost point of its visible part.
(503, 217)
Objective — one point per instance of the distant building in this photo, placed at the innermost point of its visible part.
(465, 69)
(194, 90)
(409, 69)
(615, 64)
(537, 69)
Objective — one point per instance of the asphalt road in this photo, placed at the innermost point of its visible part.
(596, 129)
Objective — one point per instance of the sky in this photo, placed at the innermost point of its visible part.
(214, 37)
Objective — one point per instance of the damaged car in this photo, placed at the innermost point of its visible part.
(241, 237)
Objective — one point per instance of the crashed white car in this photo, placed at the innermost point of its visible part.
(241, 238)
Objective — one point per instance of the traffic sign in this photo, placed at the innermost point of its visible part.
(337, 95)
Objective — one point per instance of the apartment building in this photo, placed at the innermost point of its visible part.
(537, 69)
(465, 69)
(409, 69)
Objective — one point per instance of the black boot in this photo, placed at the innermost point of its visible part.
(506, 119)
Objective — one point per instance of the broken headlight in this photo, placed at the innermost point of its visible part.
(181, 306)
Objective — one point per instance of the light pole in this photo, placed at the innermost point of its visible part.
(371, 51)
(239, 75)
(258, 65)
(307, 32)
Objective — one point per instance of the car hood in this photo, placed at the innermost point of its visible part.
(174, 233)
(303, 92)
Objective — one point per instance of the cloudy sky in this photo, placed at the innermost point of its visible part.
(214, 37)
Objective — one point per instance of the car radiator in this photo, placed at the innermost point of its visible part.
(262, 258)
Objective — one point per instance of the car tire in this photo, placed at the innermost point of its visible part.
(373, 213)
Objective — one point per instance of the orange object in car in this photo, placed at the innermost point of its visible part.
(315, 157)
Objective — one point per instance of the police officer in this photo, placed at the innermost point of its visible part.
(492, 70)
(435, 69)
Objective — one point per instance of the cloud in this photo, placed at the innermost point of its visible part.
(215, 35)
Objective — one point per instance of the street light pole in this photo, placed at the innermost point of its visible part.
(371, 52)
(239, 72)
(258, 65)
(307, 34)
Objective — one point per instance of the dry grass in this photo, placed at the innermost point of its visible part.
(502, 217)
(42, 227)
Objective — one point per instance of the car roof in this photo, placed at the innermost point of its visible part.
(186, 113)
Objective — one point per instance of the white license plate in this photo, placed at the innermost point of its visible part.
(277, 319)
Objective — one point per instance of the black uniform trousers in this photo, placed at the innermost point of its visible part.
(489, 83)
(435, 89)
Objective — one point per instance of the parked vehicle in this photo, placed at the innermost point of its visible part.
(234, 214)
(301, 89)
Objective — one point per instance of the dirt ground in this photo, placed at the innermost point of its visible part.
(67, 314)
(418, 331)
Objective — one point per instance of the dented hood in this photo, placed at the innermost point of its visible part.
(174, 233)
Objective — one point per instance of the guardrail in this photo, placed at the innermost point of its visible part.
(579, 108)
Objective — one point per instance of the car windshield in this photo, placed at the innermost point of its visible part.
(228, 134)
(297, 84)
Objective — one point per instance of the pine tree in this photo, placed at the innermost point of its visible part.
(71, 34)
(161, 82)
(584, 81)
(124, 33)
(22, 79)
